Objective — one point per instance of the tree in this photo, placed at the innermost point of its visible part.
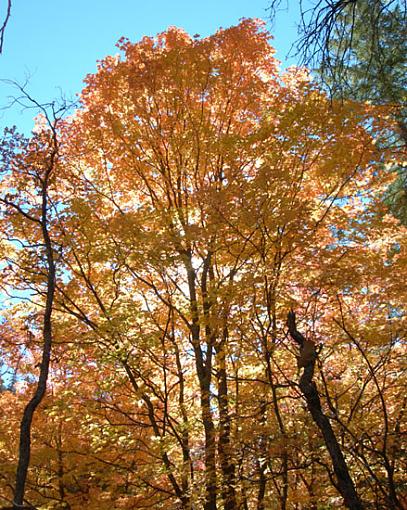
(357, 46)
(358, 49)
(27, 171)
(308, 356)
(200, 197)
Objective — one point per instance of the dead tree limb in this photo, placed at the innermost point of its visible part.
(309, 390)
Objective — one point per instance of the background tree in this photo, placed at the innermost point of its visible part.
(28, 168)
(358, 49)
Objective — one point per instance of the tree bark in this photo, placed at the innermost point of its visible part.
(309, 390)
(224, 448)
(25, 427)
(203, 364)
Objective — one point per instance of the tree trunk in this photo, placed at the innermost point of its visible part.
(25, 427)
(309, 390)
(203, 364)
(224, 448)
(184, 498)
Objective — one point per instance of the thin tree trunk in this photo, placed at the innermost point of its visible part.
(309, 390)
(203, 363)
(261, 466)
(224, 447)
(25, 427)
(187, 468)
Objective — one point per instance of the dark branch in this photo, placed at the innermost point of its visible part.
(292, 328)
(4, 25)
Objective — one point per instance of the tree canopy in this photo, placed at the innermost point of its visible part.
(197, 199)
(358, 49)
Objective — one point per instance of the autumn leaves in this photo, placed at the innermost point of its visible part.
(197, 197)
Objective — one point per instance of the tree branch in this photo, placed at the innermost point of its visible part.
(4, 25)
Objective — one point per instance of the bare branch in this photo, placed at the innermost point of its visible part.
(4, 25)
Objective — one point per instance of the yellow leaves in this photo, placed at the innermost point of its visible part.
(202, 198)
(296, 79)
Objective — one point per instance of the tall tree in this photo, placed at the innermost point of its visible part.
(201, 195)
(28, 168)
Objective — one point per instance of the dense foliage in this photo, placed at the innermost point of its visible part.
(195, 198)
(358, 49)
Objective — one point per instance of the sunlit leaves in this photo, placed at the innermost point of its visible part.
(199, 196)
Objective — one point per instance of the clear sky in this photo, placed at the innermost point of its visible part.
(56, 43)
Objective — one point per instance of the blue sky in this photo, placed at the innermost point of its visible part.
(56, 43)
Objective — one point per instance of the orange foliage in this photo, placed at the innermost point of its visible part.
(199, 196)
